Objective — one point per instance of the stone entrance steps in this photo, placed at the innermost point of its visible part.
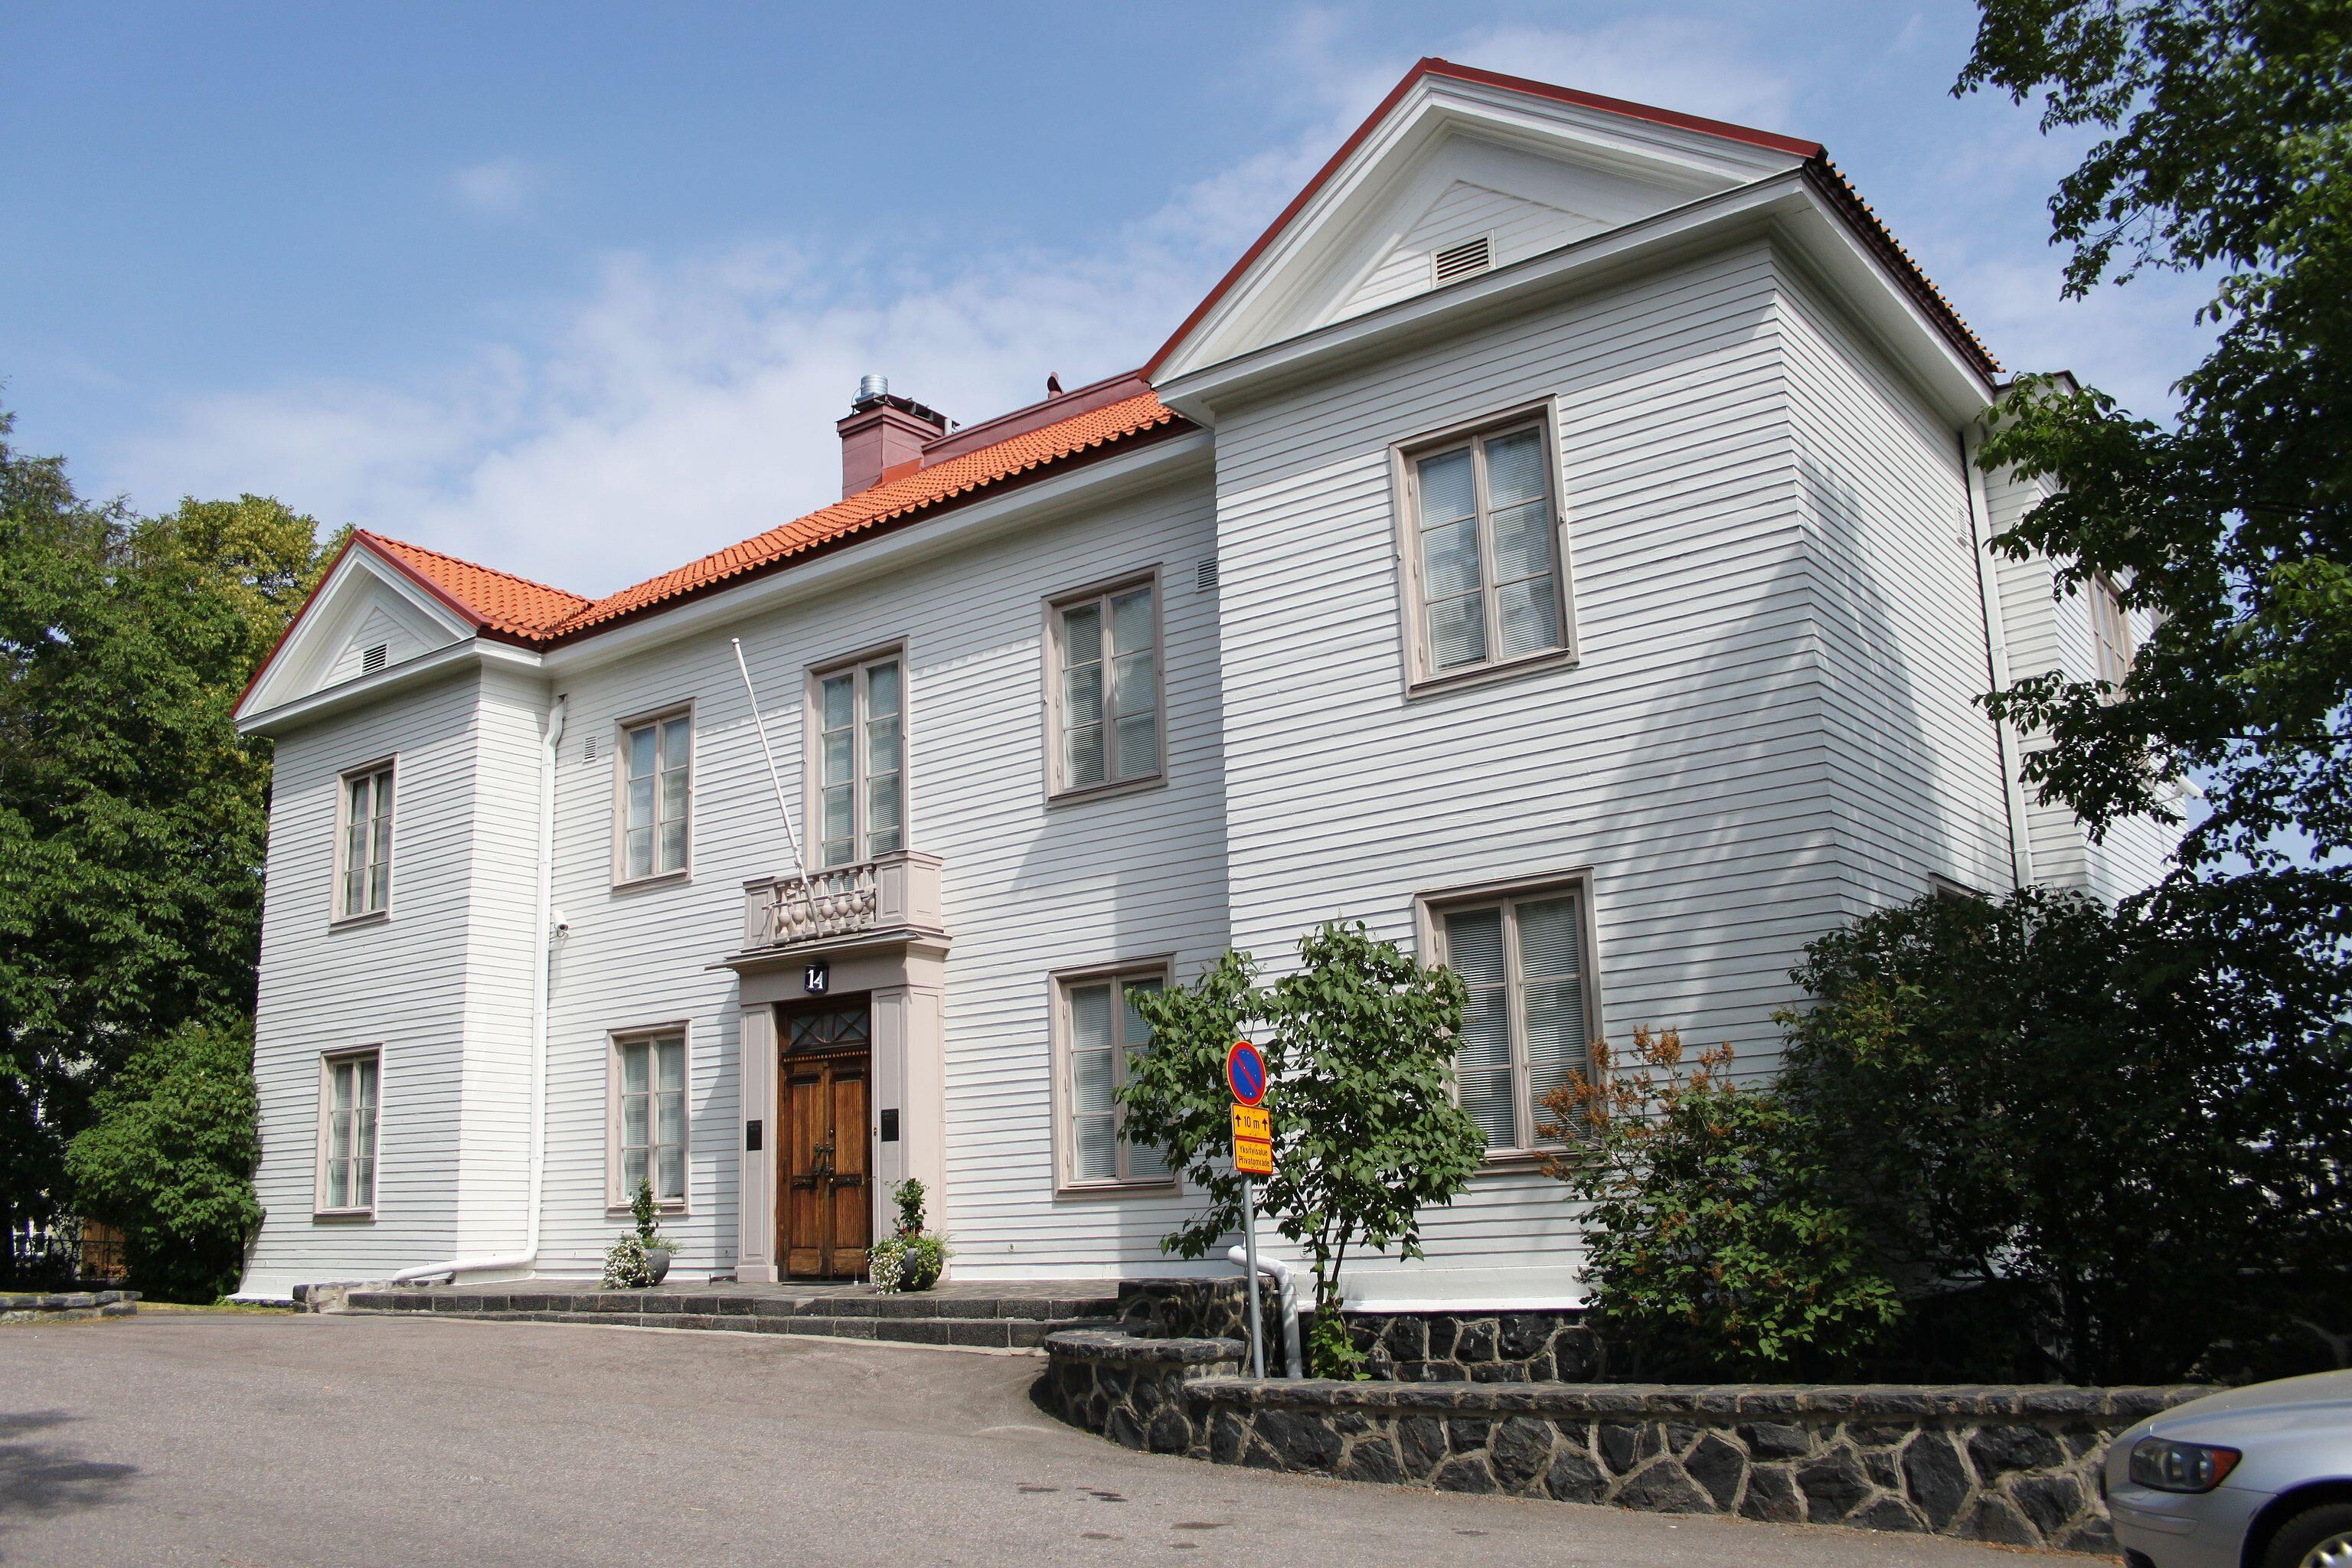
(978, 1320)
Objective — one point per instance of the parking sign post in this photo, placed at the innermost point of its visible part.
(1252, 1157)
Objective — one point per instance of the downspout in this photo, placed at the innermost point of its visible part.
(544, 903)
(2021, 841)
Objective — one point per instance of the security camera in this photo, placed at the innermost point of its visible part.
(562, 926)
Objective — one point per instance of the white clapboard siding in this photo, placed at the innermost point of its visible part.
(1518, 228)
(1027, 889)
(378, 628)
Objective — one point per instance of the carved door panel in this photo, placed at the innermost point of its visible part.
(826, 1216)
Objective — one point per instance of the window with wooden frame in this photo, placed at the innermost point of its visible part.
(363, 843)
(861, 744)
(646, 1125)
(1101, 1034)
(1483, 550)
(347, 1119)
(654, 814)
(2111, 630)
(1104, 687)
(1533, 1006)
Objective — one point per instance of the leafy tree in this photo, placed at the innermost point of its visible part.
(1359, 1047)
(1716, 1242)
(2227, 149)
(133, 815)
(2129, 1133)
(169, 1160)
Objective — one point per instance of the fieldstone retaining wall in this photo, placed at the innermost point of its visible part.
(1406, 1347)
(57, 1307)
(2011, 1465)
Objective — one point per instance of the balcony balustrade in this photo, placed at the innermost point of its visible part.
(891, 896)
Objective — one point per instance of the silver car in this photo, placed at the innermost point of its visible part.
(2255, 1478)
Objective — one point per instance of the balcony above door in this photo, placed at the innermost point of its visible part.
(890, 899)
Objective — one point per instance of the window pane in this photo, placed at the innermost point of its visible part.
(1457, 633)
(339, 1135)
(1081, 633)
(1131, 687)
(632, 1172)
(677, 739)
(641, 751)
(1134, 1032)
(840, 812)
(360, 795)
(1090, 1081)
(673, 847)
(363, 1133)
(1449, 560)
(1145, 1163)
(1096, 1155)
(1551, 939)
(1474, 945)
(635, 1075)
(1139, 745)
(838, 852)
(1082, 695)
(1556, 1037)
(1130, 621)
(1090, 1018)
(673, 1064)
(1514, 469)
(381, 851)
(882, 690)
(634, 1119)
(367, 1083)
(1486, 1096)
(1082, 756)
(669, 1120)
(363, 1182)
(339, 1184)
(882, 746)
(1446, 487)
(670, 1186)
(674, 791)
(640, 857)
(840, 756)
(355, 890)
(340, 1078)
(840, 702)
(1522, 541)
(882, 803)
(1529, 615)
(641, 801)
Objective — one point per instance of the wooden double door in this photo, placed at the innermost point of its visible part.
(823, 1164)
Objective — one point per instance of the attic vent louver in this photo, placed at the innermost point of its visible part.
(589, 750)
(372, 659)
(1204, 575)
(1461, 260)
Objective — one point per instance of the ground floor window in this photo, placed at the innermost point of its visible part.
(1098, 1034)
(347, 1111)
(649, 1119)
(1531, 1018)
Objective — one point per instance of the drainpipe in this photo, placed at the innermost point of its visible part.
(2021, 838)
(544, 903)
(1285, 1281)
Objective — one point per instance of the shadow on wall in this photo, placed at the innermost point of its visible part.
(41, 1480)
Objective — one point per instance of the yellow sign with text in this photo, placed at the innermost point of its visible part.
(1253, 1141)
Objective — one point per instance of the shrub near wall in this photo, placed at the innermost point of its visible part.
(2009, 1465)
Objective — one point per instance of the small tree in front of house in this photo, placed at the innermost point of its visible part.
(1358, 1047)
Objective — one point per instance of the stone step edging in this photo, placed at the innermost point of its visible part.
(66, 1306)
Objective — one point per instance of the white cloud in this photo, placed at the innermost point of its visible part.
(1699, 67)
(497, 188)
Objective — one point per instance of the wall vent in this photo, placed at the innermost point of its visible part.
(588, 751)
(1204, 575)
(372, 660)
(1461, 260)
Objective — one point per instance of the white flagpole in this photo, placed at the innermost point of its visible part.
(800, 867)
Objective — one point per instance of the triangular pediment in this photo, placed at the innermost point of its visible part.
(368, 619)
(1454, 155)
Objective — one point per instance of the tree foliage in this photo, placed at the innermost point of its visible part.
(2226, 147)
(1359, 1047)
(2119, 1123)
(1715, 1241)
(168, 1159)
(133, 815)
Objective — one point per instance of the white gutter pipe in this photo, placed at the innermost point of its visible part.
(544, 903)
(1286, 1280)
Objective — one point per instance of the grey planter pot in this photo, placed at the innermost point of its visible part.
(656, 1264)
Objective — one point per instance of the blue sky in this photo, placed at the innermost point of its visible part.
(578, 290)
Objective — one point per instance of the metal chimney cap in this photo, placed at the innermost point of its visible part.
(873, 386)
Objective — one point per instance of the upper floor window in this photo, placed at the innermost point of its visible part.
(2111, 629)
(648, 1120)
(1528, 1019)
(1104, 687)
(656, 765)
(363, 847)
(1483, 551)
(861, 770)
(1101, 1034)
(347, 1100)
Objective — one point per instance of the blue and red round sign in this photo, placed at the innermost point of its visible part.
(1245, 1073)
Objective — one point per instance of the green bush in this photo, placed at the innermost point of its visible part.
(168, 1159)
(1715, 1245)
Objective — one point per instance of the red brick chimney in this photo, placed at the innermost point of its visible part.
(883, 436)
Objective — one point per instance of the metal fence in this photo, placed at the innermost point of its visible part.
(54, 1257)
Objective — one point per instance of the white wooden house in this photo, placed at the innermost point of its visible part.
(1555, 544)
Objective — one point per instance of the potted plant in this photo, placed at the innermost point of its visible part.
(911, 1257)
(641, 1259)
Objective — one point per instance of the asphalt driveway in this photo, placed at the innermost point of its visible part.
(273, 1441)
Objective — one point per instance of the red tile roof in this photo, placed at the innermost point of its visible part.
(494, 601)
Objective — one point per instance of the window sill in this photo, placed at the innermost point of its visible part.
(618, 1210)
(1167, 1187)
(665, 880)
(1486, 674)
(1520, 1159)
(1107, 791)
(373, 917)
(343, 1216)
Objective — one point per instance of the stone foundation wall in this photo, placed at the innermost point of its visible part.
(2011, 1465)
(1551, 1346)
(57, 1307)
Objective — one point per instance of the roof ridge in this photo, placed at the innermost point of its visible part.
(370, 534)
